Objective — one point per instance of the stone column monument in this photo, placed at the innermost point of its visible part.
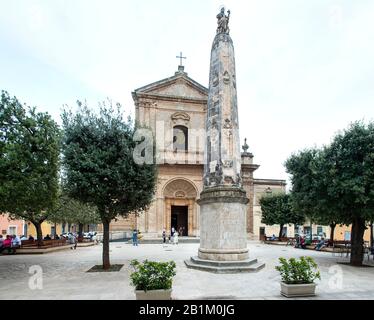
(223, 202)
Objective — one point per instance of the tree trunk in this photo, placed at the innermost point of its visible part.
(280, 231)
(80, 230)
(357, 241)
(332, 230)
(371, 235)
(106, 261)
(39, 233)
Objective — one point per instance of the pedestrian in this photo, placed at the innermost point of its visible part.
(135, 238)
(164, 236)
(172, 234)
(175, 238)
(72, 240)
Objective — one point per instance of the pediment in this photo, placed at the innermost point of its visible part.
(177, 86)
(180, 89)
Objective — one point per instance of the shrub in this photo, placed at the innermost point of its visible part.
(301, 271)
(151, 275)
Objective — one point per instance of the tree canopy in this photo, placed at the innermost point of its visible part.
(277, 209)
(29, 161)
(336, 183)
(99, 165)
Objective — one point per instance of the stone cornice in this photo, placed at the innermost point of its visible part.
(250, 167)
(162, 97)
(270, 182)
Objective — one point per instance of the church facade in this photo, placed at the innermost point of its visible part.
(175, 110)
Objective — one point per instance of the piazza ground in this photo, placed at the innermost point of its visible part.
(65, 276)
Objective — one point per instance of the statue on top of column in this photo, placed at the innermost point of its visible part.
(223, 21)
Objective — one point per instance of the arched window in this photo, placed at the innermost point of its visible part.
(180, 138)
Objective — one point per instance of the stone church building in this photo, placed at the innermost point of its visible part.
(175, 109)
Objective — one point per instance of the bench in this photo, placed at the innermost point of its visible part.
(45, 243)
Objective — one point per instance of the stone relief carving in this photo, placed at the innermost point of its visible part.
(226, 78)
(228, 163)
(180, 194)
(181, 118)
(215, 79)
(228, 124)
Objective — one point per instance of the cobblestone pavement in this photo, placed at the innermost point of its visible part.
(65, 276)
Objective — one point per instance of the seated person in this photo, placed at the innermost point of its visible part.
(57, 237)
(23, 238)
(16, 241)
(320, 245)
(273, 237)
(31, 238)
(47, 237)
(302, 243)
(7, 245)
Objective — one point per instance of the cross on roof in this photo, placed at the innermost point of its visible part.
(181, 57)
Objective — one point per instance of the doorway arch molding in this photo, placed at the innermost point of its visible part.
(180, 192)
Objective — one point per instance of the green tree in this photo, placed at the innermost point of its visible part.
(335, 183)
(277, 209)
(100, 167)
(29, 162)
(69, 210)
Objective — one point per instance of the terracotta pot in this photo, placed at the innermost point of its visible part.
(153, 294)
(298, 290)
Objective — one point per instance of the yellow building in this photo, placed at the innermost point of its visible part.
(47, 228)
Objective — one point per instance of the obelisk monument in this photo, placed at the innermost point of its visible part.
(223, 201)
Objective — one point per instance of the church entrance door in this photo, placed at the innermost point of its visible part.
(179, 219)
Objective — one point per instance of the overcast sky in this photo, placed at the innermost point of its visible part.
(305, 69)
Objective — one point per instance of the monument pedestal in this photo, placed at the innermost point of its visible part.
(223, 236)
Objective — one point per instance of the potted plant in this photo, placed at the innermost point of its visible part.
(298, 277)
(153, 280)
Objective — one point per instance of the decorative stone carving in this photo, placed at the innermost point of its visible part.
(226, 78)
(180, 194)
(227, 124)
(180, 188)
(215, 79)
(245, 147)
(227, 163)
(180, 118)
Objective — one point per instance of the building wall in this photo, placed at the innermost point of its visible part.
(7, 226)
(46, 229)
(261, 188)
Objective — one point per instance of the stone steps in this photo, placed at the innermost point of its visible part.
(160, 241)
(250, 265)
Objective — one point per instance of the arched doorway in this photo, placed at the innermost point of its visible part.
(180, 207)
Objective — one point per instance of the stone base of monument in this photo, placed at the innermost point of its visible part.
(249, 265)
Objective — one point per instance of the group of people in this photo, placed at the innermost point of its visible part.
(173, 237)
(301, 243)
(10, 243)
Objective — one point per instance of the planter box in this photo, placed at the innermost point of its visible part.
(298, 290)
(153, 294)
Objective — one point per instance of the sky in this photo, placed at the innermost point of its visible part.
(305, 69)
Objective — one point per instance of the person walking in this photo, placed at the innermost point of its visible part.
(172, 234)
(135, 238)
(72, 240)
(164, 237)
(175, 238)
